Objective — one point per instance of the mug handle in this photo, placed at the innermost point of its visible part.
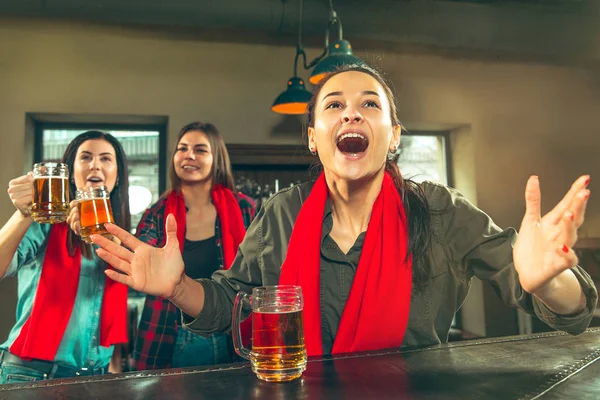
(236, 332)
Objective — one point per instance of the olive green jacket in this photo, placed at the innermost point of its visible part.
(465, 243)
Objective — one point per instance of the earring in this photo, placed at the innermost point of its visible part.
(117, 182)
(312, 150)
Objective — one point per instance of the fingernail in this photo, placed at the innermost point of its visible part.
(586, 196)
(587, 181)
(565, 248)
(570, 215)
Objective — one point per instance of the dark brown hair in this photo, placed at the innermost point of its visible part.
(411, 193)
(221, 168)
(119, 197)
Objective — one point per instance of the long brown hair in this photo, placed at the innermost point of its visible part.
(411, 193)
(119, 197)
(221, 167)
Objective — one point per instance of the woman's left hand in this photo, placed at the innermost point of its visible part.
(543, 249)
(73, 218)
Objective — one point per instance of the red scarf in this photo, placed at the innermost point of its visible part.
(230, 215)
(43, 331)
(376, 313)
(232, 228)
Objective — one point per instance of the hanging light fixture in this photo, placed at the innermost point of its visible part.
(295, 98)
(340, 51)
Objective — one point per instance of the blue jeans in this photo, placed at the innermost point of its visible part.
(193, 350)
(10, 373)
(17, 370)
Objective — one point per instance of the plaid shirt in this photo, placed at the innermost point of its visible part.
(158, 326)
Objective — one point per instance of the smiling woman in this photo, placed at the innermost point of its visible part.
(212, 222)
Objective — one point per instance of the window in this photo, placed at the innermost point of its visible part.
(425, 157)
(142, 146)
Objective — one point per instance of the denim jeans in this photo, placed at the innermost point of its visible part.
(193, 350)
(16, 370)
(10, 373)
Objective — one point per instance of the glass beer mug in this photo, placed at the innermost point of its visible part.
(94, 208)
(50, 196)
(278, 353)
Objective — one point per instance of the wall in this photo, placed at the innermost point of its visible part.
(509, 120)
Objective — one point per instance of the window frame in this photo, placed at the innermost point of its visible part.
(102, 126)
(446, 149)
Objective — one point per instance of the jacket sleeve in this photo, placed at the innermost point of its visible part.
(220, 291)
(257, 263)
(476, 246)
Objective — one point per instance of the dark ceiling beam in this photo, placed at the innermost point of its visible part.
(564, 31)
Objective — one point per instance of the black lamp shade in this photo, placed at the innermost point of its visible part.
(340, 53)
(294, 100)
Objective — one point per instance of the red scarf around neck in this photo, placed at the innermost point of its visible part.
(43, 331)
(376, 313)
(229, 213)
(233, 229)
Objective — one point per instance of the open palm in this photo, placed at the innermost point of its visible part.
(543, 249)
(154, 271)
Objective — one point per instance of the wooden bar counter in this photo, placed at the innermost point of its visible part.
(542, 366)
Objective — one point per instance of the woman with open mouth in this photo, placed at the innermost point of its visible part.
(383, 262)
(69, 316)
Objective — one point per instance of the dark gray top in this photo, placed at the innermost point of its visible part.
(201, 257)
(464, 237)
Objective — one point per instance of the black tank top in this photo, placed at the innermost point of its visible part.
(201, 257)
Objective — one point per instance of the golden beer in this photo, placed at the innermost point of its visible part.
(94, 211)
(50, 195)
(278, 351)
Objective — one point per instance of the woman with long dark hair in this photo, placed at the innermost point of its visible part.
(383, 262)
(69, 315)
(212, 220)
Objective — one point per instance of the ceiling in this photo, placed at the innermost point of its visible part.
(552, 30)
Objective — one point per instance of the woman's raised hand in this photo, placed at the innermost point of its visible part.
(543, 249)
(20, 191)
(73, 218)
(147, 269)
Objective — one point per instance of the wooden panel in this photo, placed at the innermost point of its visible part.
(274, 155)
(261, 170)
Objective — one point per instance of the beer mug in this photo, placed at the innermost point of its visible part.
(50, 196)
(93, 204)
(278, 353)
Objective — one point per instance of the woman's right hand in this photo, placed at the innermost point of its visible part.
(20, 192)
(73, 218)
(154, 271)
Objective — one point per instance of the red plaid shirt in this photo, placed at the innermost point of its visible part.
(158, 326)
